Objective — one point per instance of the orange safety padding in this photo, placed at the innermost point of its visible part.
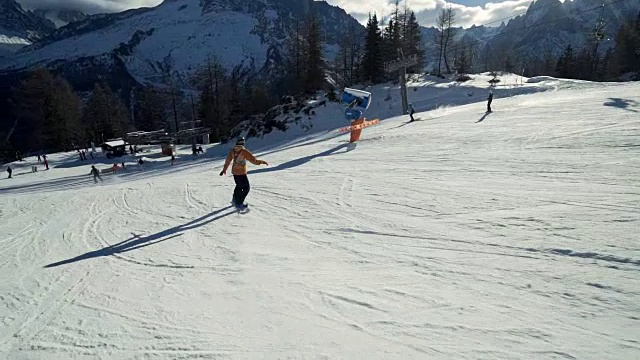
(355, 133)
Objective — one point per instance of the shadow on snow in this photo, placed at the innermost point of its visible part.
(136, 242)
(483, 117)
(304, 160)
(624, 104)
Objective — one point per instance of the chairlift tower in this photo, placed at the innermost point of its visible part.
(400, 65)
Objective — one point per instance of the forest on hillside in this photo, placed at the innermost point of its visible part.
(48, 115)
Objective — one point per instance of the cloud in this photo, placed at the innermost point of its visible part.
(427, 10)
(88, 6)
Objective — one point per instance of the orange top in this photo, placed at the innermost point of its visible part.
(239, 155)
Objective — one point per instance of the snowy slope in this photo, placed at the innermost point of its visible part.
(425, 92)
(507, 236)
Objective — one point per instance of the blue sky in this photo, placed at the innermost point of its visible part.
(468, 12)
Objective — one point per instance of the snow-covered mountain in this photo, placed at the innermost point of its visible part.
(551, 25)
(19, 27)
(61, 18)
(177, 36)
(547, 27)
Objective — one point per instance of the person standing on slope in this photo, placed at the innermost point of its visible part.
(411, 111)
(240, 155)
(96, 174)
(489, 99)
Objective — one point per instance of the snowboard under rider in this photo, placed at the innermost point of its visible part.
(240, 155)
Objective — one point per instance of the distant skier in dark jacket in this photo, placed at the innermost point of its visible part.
(489, 99)
(411, 112)
(10, 171)
(240, 155)
(96, 174)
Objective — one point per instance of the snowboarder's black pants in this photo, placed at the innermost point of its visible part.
(242, 188)
(489, 106)
(411, 116)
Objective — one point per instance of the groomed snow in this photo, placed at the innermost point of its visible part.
(511, 235)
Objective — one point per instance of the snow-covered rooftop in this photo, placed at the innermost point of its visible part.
(115, 143)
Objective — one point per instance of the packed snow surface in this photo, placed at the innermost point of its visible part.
(510, 235)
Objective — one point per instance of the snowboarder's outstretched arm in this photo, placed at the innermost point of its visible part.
(249, 156)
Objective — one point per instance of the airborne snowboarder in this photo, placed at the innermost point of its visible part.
(240, 155)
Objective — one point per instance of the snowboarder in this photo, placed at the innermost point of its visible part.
(239, 155)
(9, 171)
(411, 112)
(95, 173)
(489, 101)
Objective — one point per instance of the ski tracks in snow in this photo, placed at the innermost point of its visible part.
(42, 295)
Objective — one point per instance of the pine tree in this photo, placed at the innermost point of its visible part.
(449, 21)
(151, 109)
(314, 62)
(461, 62)
(413, 42)
(627, 50)
(372, 64)
(48, 113)
(292, 69)
(441, 26)
(566, 64)
(340, 62)
(508, 65)
(392, 38)
(211, 80)
(105, 115)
